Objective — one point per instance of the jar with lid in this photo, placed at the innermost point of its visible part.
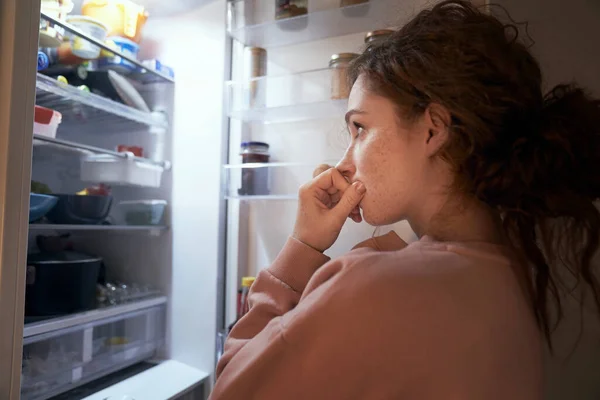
(255, 181)
(339, 63)
(290, 8)
(256, 66)
(374, 37)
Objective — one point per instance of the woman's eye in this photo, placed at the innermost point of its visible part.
(358, 128)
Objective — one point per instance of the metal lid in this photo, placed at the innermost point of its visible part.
(254, 144)
(342, 57)
(380, 32)
(256, 50)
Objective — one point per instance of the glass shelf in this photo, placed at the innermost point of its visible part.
(110, 228)
(157, 75)
(79, 107)
(85, 149)
(285, 98)
(274, 197)
(267, 181)
(253, 23)
(55, 323)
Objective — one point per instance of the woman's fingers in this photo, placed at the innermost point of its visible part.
(320, 169)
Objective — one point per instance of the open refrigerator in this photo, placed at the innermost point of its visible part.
(166, 288)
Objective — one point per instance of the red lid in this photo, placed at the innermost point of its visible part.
(44, 115)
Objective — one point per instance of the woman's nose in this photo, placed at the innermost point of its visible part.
(346, 166)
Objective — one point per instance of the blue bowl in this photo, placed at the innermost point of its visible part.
(40, 205)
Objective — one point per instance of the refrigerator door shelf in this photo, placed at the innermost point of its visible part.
(254, 23)
(283, 98)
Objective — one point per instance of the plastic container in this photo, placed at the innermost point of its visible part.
(120, 171)
(142, 212)
(124, 17)
(92, 27)
(110, 61)
(39, 205)
(46, 121)
(52, 35)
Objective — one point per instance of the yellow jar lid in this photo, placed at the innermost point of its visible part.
(247, 281)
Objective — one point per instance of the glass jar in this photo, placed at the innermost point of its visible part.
(256, 60)
(374, 37)
(255, 181)
(345, 3)
(290, 8)
(339, 63)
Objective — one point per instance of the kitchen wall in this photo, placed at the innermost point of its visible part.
(566, 42)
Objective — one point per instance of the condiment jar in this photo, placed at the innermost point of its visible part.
(290, 8)
(339, 63)
(256, 60)
(377, 36)
(255, 181)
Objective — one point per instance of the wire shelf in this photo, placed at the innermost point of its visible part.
(79, 107)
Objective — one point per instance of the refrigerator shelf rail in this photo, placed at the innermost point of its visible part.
(96, 112)
(68, 27)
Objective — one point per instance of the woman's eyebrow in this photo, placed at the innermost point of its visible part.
(352, 112)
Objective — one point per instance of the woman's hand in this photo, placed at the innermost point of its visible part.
(324, 204)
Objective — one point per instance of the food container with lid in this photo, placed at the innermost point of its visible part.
(125, 18)
(92, 27)
(46, 121)
(109, 60)
(142, 212)
(120, 171)
(39, 205)
(255, 181)
(339, 63)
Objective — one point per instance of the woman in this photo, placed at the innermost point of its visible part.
(451, 132)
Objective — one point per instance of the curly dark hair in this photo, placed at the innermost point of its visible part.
(534, 158)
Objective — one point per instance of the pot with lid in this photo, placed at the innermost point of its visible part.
(60, 282)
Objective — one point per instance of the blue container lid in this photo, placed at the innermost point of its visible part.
(258, 144)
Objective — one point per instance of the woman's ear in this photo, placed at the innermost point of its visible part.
(437, 120)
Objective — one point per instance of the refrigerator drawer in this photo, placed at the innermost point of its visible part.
(61, 360)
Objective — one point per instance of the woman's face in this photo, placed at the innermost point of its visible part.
(389, 155)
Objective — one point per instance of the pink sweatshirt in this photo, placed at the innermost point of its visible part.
(434, 320)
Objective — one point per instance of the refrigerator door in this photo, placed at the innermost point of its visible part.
(19, 24)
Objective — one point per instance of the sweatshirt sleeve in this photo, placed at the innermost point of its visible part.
(276, 291)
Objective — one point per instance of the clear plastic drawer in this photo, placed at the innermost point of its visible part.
(64, 358)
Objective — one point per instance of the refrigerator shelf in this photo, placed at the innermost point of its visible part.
(253, 23)
(267, 181)
(144, 229)
(158, 76)
(268, 197)
(87, 317)
(284, 98)
(79, 107)
(92, 149)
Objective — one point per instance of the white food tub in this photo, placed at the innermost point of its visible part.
(104, 168)
(46, 121)
(94, 28)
